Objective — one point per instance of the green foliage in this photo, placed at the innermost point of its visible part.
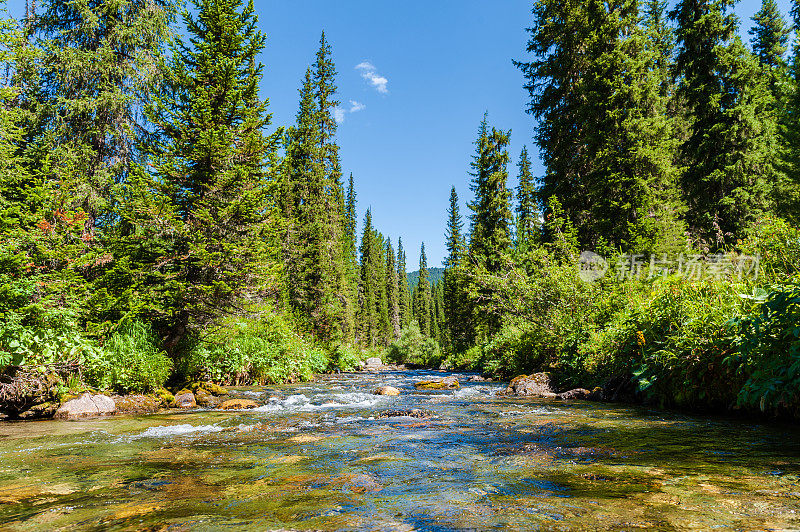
(129, 362)
(769, 351)
(414, 348)
(259, 350)
(40, 337)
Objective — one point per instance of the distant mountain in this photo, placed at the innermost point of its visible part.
(434, 276)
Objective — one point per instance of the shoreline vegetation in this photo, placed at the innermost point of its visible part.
(158, 233)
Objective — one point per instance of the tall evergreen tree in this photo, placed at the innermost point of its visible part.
(100, 64)
(490, 232)
(526, 201)
(787, 190)
(403, 290)
(392, 292)
(456, 309)
(422, 295)
(198, 220)
(730, 152)
(770, 35)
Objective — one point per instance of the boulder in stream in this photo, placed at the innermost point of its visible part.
(238, 404)
(536, 385)
(373, 363)
(87, 405)
(448, 383)
(386, 390)
(185, 399)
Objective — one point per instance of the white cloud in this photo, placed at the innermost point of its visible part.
(340, 112)
(370, 73)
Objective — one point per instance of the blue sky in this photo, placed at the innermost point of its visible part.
(414, 80)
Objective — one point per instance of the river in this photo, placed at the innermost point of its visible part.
(319, 456)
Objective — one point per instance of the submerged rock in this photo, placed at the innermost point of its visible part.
(536, 385)
(416, 412)
(448, 383)
(87, 405)
(238, 404)
(185, 399)
(386, 390)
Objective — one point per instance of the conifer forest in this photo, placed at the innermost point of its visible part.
(161, 234)
(157, 226)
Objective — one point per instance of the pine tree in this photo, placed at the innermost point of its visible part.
(403, 289)
(770, 36)
(730, 152)
(198, 222)
(100, 65)
(787, 190)
(526, 201)
(368, 316)
(456, 308)
(422, 295)
(392, 294)
(490, 233)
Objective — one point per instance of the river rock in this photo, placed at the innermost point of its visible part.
(416, 412)
(577, 393)
(374, 363)
(185, 399)
(129, 404)
(238, 404)
(386, 390)
(204, 398)
(448, 383)
(536, 385)
(87, 405)
(209, 387)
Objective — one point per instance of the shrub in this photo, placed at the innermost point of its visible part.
(414, 348)
(769, 351)
(130, 361)
(255, 350)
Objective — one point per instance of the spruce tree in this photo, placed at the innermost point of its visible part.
(770, 36)
(730, 152)
(100, 65)
(787, 190)
(198, 220)
(403, 289)
(526, 201)
(392, 292)
(422, 295)
(456, 309)
(490, 232)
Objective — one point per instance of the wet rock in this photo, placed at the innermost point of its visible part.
(209, 387)
(185, 399)
(238, 404)
(416, 412)
(476, 378)
(387, 390)
(577, 393)
(41, 411)
(87, 405)
(448, 383)
(536, 385)
(135, 404)
(373, 363)
(204, 398)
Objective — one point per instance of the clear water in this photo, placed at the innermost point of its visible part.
(317, 457)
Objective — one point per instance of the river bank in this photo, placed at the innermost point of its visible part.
(331, 455)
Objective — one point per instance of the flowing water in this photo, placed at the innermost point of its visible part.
(319, 456)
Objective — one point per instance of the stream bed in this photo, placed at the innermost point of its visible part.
(319, 456)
